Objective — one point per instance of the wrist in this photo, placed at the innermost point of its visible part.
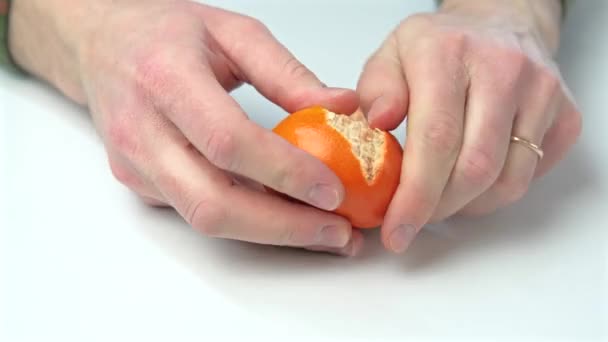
(541, 18)
(44, 39)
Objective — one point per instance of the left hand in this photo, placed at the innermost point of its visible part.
(466, 84)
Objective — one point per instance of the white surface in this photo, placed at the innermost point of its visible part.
(82, 260)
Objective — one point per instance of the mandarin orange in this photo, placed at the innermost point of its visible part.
(367, 160)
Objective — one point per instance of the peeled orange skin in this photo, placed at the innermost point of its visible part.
(366, 200)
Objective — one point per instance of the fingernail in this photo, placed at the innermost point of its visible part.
(324, 197)
(377, 107)
(333, 236)
(401, 237)
(353, 247)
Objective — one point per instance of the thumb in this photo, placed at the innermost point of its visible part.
(383, 89)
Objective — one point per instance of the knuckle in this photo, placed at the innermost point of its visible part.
(221, 149)
(384, 60)
(378, 70)
(281, 180)
(123, 175)
(570, 127)
(428, 45)
(152, 202)
(550, 84)
(479, 168)
(250, 24)
(286, 175)
(287, 236)
(207, 216)
(253, 27)
(121, 136)
(511, 190)
(375, 62)
(294, 69)
(574, 126)
(443, 135)
(423, 27)
(454, 42)
(509, 65)
(513, 63)
(418, 21)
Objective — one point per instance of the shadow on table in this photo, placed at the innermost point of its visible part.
(529, 219)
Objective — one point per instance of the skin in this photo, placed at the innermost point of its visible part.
(156, 77)
(469, 77)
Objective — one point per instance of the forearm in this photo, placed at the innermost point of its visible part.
(45, 38)
(544, 17)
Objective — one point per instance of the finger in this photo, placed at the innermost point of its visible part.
(261, 60)
(263, 218)
(153, 202)
(382, 87)
(434, 136)
(491, 107)
(209, 201)
(352, 248)
(560, 138)
(214, 123)
(532, 121)
(244, 181)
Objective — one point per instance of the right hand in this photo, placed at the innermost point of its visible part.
(156, 76)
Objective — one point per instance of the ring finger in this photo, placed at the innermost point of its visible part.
(531, 123)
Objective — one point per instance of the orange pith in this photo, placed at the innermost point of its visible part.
(367, 161)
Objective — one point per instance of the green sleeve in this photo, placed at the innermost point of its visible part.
(5, 58)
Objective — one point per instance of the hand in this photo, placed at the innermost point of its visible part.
(468, 81)
(156, 76)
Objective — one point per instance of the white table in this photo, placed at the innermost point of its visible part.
(81, 259)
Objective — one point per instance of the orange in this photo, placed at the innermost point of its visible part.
(367, 160)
